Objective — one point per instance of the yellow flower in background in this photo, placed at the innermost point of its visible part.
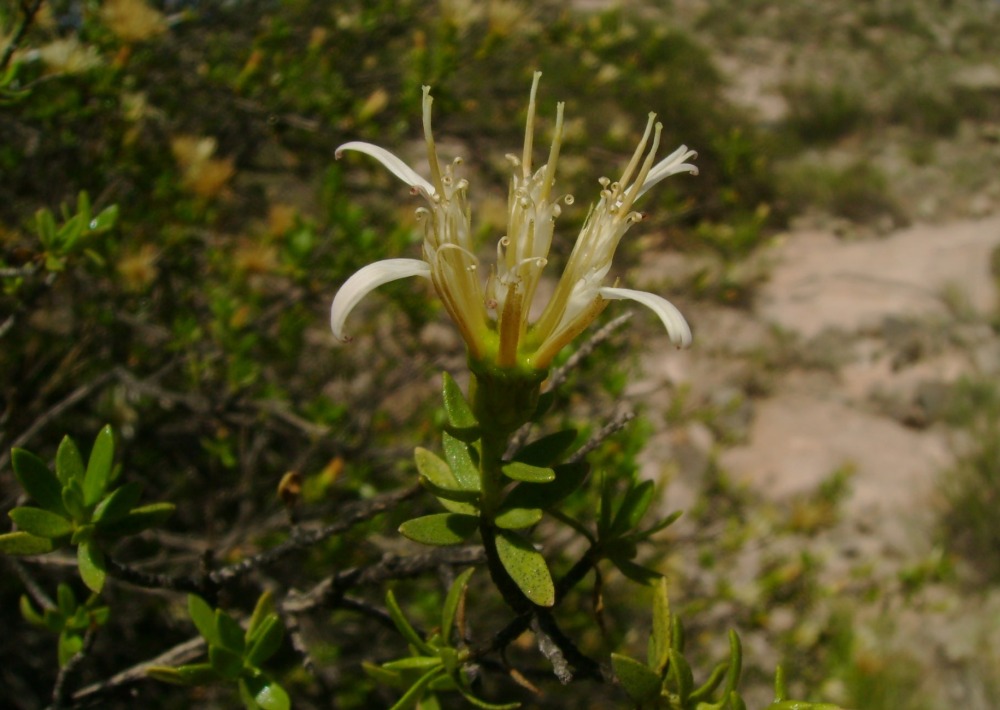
(201, 173)
(132, 20)
(491, 310)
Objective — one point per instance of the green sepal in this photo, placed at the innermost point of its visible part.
(263, 609)
(99, 464)
(90, 560)
(410, 697)
(230, 632)
(139, 519)
(637, 573)
(456, 593)
(69, 463)
(203, 617)
(267, 641)
(191, 674)
(70, 644)
(517, 518)
(526, 567)
(403, 626)
(459, 455)
(265, 693)
(547, 450)
(20, 543)
(635, 505)
(37, 480)
(117, 504)
(462, 423)
(224, 662)
(440, 529)
(640, 681)
(569, 477)
(412, 663)
(41, 523)
(519, 471)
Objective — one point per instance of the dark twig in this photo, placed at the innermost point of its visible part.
(28, 10)
(59, 688)
(332, 588)
(550, 649)
(155, 580)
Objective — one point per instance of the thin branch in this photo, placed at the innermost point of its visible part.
(59, 687)
(29, 10)
(389, 567)
(618, 422)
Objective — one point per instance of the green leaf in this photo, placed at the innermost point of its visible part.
(526, 567)
(203, 617)
(41, 523)
(192, 674)
(735, 665)
(569, 477)
(659, 647)
(224, 662)
(45, 226)
(403, 626)
(413, 663)
(461, 420)
(434, 469)
(65, 600)
(117, 504)
(22, 543)
(72, 496)
(546, 450)
(261, 611)
(473, 700)
(635, 505)
(69, 463)
(459, 456)
(104, 220)
(99, 466)
(451, 602)
(517, 518)
(37, 480)
(703, 693)
(640, 681)
(266, 692)
(658, 526)
(70, 232)
(417, 689)
(29, 613)
(440, 529)
(454, 501)
(70, 644)
(267, 641)
(528, 473)
(680, 671)
(90, 560)
(382, 676)
(139, 519)
(230, 632)
(636, 573)
(83, 533)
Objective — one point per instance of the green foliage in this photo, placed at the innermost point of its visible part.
(68, 618)
(235, 655)
(77, 506)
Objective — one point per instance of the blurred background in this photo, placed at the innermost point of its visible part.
(832, 435)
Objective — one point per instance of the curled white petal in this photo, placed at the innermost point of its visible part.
(395, 165)
(671, 165)
(677, 327)
(366, 280)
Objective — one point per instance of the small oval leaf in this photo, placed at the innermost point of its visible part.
(22, 543)
(526, 567)
(547, 450)
(640, 681)
(517, 518)
(456, 406)
(69, 463)
(99, 466)
(41, 523)
(440, 529)
(37, 480)
(526, 472)
(90, 560)
(118, 503)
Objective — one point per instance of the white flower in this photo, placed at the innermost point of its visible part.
(493, 315)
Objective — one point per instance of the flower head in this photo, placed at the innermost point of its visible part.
(491, 309)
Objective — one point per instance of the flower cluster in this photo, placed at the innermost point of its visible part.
(491, 311)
